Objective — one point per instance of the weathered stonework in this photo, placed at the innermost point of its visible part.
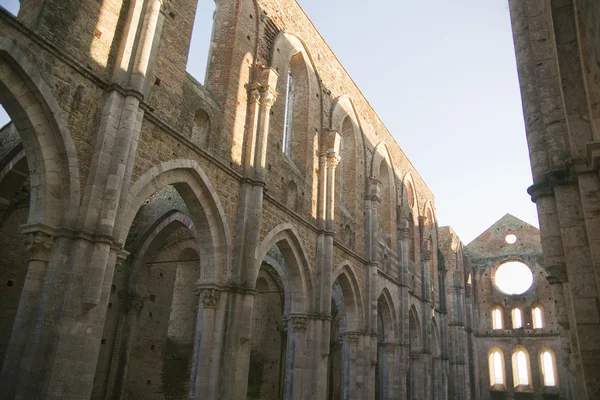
(261, 236)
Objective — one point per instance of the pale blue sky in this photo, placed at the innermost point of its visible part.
(441, 75)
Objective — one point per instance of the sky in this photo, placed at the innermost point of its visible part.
(442, 77)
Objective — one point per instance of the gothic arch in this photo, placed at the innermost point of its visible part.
(343, 119)
(296, 275)
(158, 233)
(200, 197)
(50, 150)
(353, 299)
(385, 304)
(408, 186)
(290, 54)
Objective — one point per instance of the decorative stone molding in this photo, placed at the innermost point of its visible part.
(415, 354)
(425, 255)
(39, 246)
(121, 257)
(267, 98)
(353, 338)
(210, 297)
(298, 323)
(404, 233)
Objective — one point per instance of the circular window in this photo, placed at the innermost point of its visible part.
(510, 238)
(513, 277)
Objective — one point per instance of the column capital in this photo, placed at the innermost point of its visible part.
(425, 255)
(209, 297)
(404, 233)
(39, 245)
(298, 323)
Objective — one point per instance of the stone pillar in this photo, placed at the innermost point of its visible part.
(426, 319)
(328, 161)
(296, 359)
(237, 321)
(372, 201)
(127, 327)
(39, 246)
(206, 373)
(352, 386)
(416, 376)
(404, 350)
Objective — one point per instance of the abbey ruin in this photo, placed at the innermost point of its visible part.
(261, 235)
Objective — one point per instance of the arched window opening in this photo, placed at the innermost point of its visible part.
(537, 318)
(292, 196)
(469, 280)
(517, 318)
(347, 167)
(496, 368)
(386, 205)
(548, 368)
(288, 118)
(520, 362)
(201, 128)
(497, 320)
(348, 237)
(411, 233)
(431, 268)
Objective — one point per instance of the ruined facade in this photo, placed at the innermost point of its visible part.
(258, 236)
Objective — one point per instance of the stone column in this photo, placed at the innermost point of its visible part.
(39, 246)
(403, 243)
(205, 371)
(372, 201)
(416, 376)
(426, 321)
(352, 387)
(237, 327)
(127, 328)
(296, 359)
(328, 161)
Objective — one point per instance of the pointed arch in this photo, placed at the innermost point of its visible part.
(436, 349)
(295, 117)
(414, 328)
(344, 119)
(496, 367)
(296, 274)
(382, 170)
(345, 276)
(200, 197)
(521, 367)
(50, 150)
(385, 306)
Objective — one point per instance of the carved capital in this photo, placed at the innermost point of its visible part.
(404, 233)
(425, 255)
(267, 98)
(38, 245)
(210, 297)
(121, 257)
(353, 338)
(254, 94)
(332, 160)
(298, 323)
